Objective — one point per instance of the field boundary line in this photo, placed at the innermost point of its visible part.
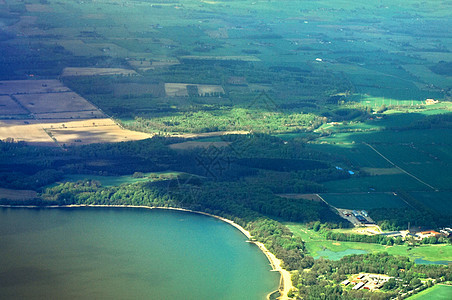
(396, 166)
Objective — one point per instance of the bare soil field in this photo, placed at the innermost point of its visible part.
(93, 131)
(14, 87)
(204, 89)
(38, 8)
(17, 194)
(135, 89)
(79, 48)
(176, 89)
(151, 65)
(9, 107)
(71, 71)
(180, 89)
(20, 131)
(87, 114)
(382, 171)
(54, 102)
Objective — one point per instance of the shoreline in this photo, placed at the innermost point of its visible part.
(285, 283)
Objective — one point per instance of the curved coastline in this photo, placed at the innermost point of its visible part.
(285, 284)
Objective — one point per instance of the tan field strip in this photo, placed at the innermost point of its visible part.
(70, 71)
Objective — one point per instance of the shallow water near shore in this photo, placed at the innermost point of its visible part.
(127, 253)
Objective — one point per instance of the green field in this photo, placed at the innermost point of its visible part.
(364, 201)
(438, 292)
(317, 245)
(441, 202)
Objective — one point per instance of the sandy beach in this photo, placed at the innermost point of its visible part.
(285, 284)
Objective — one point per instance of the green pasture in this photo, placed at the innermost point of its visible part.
(364, 201)
(417, 160)
(316, 244)
(441, 202)
(418, 136)
(437, 292)
(356, 155)
(380, 183)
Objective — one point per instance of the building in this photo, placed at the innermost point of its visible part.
(427, 234)
(430, 101)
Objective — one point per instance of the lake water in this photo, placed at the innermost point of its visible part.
(122, 253)
(328, 254)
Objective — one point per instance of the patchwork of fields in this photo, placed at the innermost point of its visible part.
(45, 112)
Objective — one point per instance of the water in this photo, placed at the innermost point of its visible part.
(327, 253)
(97, 253)
(428, 262)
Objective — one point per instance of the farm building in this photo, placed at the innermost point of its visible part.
(359, 285)
(345, 282)
(430, 101)
(426, 234)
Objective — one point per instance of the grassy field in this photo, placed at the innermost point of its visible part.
(318, 245)
(437, 292)
(364, 201)
(441, 202)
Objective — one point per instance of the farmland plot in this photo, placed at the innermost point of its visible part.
(365, 201)
(58, 116)
(9, 107)
(55, 102)
(73, 71)
(14, 87)
(181, 89)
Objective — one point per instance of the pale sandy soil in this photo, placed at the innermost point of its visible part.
(21, 132)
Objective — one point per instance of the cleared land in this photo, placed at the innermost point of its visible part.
(55, 102)
(14, 87)
(364, 200)
(72, 71)
(136, 89)
(180, 89)
(10, 107)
